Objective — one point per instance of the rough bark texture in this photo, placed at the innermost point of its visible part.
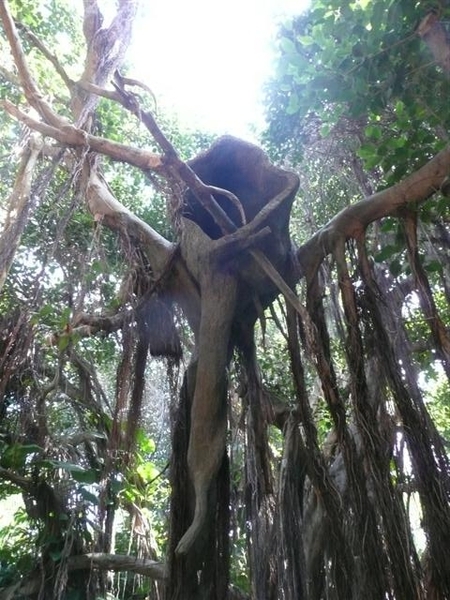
(232, 291)
(331, 521)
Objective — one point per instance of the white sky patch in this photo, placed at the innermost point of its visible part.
(207, 61)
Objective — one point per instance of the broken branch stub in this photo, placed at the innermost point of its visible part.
(232, 291)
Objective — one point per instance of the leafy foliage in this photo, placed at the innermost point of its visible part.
(338, 419)
(362, 66)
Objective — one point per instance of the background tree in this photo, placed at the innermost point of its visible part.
(305, 482)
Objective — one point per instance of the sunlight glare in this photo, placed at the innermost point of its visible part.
(208, 61)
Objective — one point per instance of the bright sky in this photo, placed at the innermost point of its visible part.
(208, 60)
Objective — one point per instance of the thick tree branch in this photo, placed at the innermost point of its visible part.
(22, 482)
(178, 168)
(70, 135)
(118, 562)
(434, 34)
(30, 88)
(104, 562)
(18, 207)
(353, 220)
(106, 47)
(101, 202)
(104, 206)
(93, 19)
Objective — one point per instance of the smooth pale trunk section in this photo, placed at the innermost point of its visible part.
(209, 408)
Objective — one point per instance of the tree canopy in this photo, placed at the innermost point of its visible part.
(224, 367)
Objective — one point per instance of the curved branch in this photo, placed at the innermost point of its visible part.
(32, 93)
(228, 242)
(178, 168)
(353, 220)
(105, 207)
(52, 58)
(101, 202)
(107, 562)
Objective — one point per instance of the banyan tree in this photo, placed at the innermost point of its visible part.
(329, 517)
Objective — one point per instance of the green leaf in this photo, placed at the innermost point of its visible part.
(305, 40)
(88, 476)
(434, 266)
(147, 471)
(385, 253)
(293, 105)
(64, 317)
(395, 267)
(145, 442)
(67, 466)
(399, 108)
(89, 497)
(15, 456)
(55, 555)
(388, 225)
(63, 342)
(325, 129)
(78, 473)
(30, 448)
(367, 151)
(97, 267)
(378, 17)
(373, 131)
(287, 45)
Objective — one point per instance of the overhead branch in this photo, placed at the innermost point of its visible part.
(203, 193)
(129, 81)
(256, 226)
(104, 562)
(52, 58)
(105, 207)
(93, 19)
(72, 136)
(9, 76)
(434, 34)
(90, 87)
(18, 206)
(100, 200)
(106, 46)
(118, 562)
(32, 92)
(178, 168)
(353, 220)
(22, 482)
(99, 44)
(105, 50)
